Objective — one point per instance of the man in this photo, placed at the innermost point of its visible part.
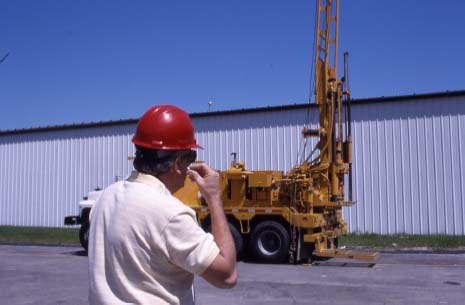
(145, 245)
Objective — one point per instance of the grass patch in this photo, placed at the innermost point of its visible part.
(435, 242)
(39, 235)
(70, 236)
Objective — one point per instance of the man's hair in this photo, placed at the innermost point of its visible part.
(153, 162)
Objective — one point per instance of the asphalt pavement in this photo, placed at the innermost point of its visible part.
(58, 275)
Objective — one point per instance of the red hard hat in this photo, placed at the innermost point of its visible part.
(165, 127)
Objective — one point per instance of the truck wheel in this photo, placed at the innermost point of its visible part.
(270, 242)
(238, 241)
(84, 235)
(237, 237)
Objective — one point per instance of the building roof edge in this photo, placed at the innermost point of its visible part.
(238, 111)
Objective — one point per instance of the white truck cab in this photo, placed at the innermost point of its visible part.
(85, 205)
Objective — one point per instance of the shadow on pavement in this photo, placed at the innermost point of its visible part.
(77, 253)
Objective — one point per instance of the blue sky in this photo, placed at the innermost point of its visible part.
(86, 61)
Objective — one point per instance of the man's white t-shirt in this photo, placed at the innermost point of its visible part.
(145, 245)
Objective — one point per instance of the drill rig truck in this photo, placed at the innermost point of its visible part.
(298, 215)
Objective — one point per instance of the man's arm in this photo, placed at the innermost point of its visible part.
(222, 272)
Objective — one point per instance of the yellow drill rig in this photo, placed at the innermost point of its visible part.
(298, 215)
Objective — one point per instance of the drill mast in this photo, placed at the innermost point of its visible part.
(330, 166)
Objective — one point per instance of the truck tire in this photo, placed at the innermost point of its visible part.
(84, 235)
(270, 242)
(238, 241)
(237, 237)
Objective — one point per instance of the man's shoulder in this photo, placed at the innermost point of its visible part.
(143, 199)
(160, 202)
(176, 207)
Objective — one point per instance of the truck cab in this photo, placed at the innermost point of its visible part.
(85, 205)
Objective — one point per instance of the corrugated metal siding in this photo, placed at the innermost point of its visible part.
(268, 140)
(408, 162)
(44, 175)
(409, 167)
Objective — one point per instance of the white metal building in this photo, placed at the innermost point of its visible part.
(409, 160)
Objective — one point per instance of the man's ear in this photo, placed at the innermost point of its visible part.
(176, 166)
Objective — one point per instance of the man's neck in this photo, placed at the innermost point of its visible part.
(168, 181)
